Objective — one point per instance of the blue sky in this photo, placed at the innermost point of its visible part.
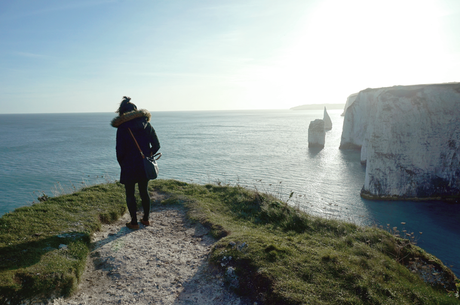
(83, 56)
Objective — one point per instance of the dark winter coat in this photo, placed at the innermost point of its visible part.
(128, 155)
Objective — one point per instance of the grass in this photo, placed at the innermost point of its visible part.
(280, 255)
(270, 251)
(43, 247)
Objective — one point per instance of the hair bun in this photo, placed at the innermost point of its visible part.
(126, 106)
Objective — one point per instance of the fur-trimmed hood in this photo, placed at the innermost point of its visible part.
(128, 116)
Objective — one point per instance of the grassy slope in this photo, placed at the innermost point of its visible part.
(280, 256)
(31, 263)
(285, 257)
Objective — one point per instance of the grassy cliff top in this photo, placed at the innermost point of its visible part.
(278, 254)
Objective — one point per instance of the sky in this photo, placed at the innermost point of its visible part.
(180, 55)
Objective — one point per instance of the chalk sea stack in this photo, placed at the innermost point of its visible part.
(327, 120)
(316, 134)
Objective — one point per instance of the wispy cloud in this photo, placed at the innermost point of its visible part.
(181, 75)
(31, 55)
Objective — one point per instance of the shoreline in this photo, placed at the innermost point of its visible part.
(454, 199)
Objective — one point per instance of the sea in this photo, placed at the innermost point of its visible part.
(266, 150)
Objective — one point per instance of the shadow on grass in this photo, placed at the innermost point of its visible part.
(27, 254)
(35, 269)
(42, 267)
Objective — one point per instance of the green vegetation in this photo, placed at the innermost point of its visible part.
(279, 255)
(44, 247)
(283, 256)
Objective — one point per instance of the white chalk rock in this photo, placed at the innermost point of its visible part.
(327, 120)
(350, 100)
(316, 134)
(357, 117)
(409, 138)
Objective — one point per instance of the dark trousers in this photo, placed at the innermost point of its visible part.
(131, 200)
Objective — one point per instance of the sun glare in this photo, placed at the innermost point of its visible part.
(347, 46)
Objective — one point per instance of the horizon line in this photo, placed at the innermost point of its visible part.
(202, 110)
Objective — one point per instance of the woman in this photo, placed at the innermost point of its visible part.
(129, 156)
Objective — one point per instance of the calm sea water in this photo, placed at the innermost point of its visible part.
(267, 150)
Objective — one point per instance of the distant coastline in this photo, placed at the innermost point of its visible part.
(318, 106)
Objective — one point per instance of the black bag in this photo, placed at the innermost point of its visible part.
(151, 166)
(150, 163)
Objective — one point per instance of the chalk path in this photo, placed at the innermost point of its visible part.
(165, 263)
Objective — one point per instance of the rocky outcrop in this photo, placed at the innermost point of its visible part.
(316, 134)
(409, 138)
(327, 120)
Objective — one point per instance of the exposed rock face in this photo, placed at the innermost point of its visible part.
(327, 120)
(350, 100)
(357, 117)
(409, 138)
(316, 134)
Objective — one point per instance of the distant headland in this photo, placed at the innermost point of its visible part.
(318, 106)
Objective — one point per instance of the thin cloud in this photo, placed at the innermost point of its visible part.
(31, 55)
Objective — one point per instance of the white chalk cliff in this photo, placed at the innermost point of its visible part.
(350, 100)
(409, 138)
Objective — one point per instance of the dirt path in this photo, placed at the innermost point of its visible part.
(165, 263)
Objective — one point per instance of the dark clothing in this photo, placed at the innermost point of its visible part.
(128, 155)
(130, 159)
(131, 200)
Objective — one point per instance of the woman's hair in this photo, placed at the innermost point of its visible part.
(126, 106)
